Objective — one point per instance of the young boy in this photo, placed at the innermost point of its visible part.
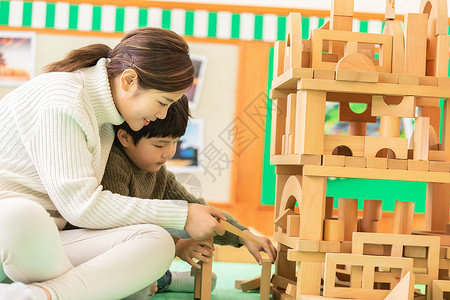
(136, 168)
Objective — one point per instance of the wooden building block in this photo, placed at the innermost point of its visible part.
(388, 77)
(266, 270)
(368, 76)
(442, 55)
(251, 284)
(324, 74)
(444, 81)
(294, 45)
(357, 129)
(439, 288)
(278, 59)
(329, 207)
(415, 43)
(291, 289)
(404, 290)
(408, 79)
(368, 225)
(421, 138)
(355, 162)
(428, 80)
(366, 274)
(374, 144)
(395, 29)
(348, 212)
(354, 143)
(333, 230)
(293, 225)
(310, 122)
(312, 207)
(439, 166)
(403, 217)
(281, 282)
(437, 11)
(405, 109)
(290, 113)
(330, 246)
(377, 162)
(205, 293)
(372, 210)
(308, 245)
(346, 114)
(342, 8)
(418, 165)
(310, 284)
(435, 155)
(346, 75)
(282, 220)
(437, 206)
(333, 160)
(390, 10)
(279, 108)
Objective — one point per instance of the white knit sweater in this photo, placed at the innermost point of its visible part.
(55, 137)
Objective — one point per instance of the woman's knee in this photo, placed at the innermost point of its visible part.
(164, 239)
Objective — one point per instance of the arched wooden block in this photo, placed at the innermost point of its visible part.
(294, 45)
(347, 115)
(406, 109)
(437, 15)
(373, 144)
(354, 143)
(291, 193)
(394, 28)
(356, 62)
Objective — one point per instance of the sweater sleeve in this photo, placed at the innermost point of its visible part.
(61, 151)
(175, 190)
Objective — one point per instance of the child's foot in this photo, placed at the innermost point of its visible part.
(17, 291)
(143, 294)
(184, 282)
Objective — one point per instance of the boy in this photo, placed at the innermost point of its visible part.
(136, 168)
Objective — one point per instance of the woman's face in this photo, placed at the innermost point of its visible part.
(140, 106)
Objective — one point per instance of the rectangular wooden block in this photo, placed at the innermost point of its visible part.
(308, 245)
(342, 8)
(355, 162)
(428, 80)
(388, 78)
(418, 165)
(293, 225)
(406, 109)
(377, 162)
(346, 75)
(333, 160)
(374, 144)
(354, 143)
(439, 166)
(443, 81)
(324, 74)
(408, 79)
(415, 43)
(398, 164)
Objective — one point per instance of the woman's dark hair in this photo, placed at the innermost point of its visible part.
(160, 58)
(173, 125)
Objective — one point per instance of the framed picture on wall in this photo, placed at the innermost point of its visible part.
(193, 93)
(17, 57)
(189, 148)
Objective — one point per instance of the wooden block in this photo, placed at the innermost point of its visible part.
(290, 113)
(333, 230)
(374, 144)
(346, 114)
(368, 226)
(310, 284)
(398, 164)
(390, 10)
(333, 160)
(205, 293)
(329, 207)
(415, 43)
(324, 74)
(368, 76)
(421, 138)
(354, 143)
(372, 210)
(405, 109)
(357, 128)
(442, 55)
(310, 159)
(281, 221)
(342, 8)
(197, 283)
(404, 290)
(355, 162)
(279, 108)
(294, 45)
(439, 288)
(293, 225)
(281, 282)
(439, 166)
(395, 29)
(312, 205)
(251, 284)
(288, 170)
(330, 246)
(389, 127)
(291, 289)
(438, 19)
(308, 245)
(418, 165)
(388, 78)
(340, 22)
(348, 212)
(444, 81)
(408, 79)
(415, 252)
(428, 80)
(435, 155)
(266, 270)
(346, 75)
(403, 217)
(278, 59)
(377, 162)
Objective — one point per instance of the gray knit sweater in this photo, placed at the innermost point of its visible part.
(123, 177)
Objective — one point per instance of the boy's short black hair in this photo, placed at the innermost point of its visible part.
(173, 126)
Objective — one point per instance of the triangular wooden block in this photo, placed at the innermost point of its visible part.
(404, 290)
(282, 219)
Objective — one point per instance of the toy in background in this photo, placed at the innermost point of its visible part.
(401, 73)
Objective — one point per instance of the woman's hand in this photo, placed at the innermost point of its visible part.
(254, 248)
(188, 249)
(201, 221)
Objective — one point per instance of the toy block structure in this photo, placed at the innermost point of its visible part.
(400, 73)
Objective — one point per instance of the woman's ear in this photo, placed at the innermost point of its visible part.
(128, 80)
(124, 138)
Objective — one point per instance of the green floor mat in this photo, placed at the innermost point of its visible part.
(226, 273)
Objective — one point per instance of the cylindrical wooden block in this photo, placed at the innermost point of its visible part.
(372, 210)
(403, 217)
(357, 128)
(333, 230)
(366, 225)
(348, 212)
(389, 126)
(329, 208)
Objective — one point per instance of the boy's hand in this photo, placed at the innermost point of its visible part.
(201, 221)
(254, 248)
(188, 249)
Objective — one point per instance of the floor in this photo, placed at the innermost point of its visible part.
(226, 273)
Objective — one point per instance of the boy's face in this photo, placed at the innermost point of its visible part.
(150, 154)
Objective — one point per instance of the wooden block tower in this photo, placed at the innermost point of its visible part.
(401, 73)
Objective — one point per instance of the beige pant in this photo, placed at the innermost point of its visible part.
(80, 264)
